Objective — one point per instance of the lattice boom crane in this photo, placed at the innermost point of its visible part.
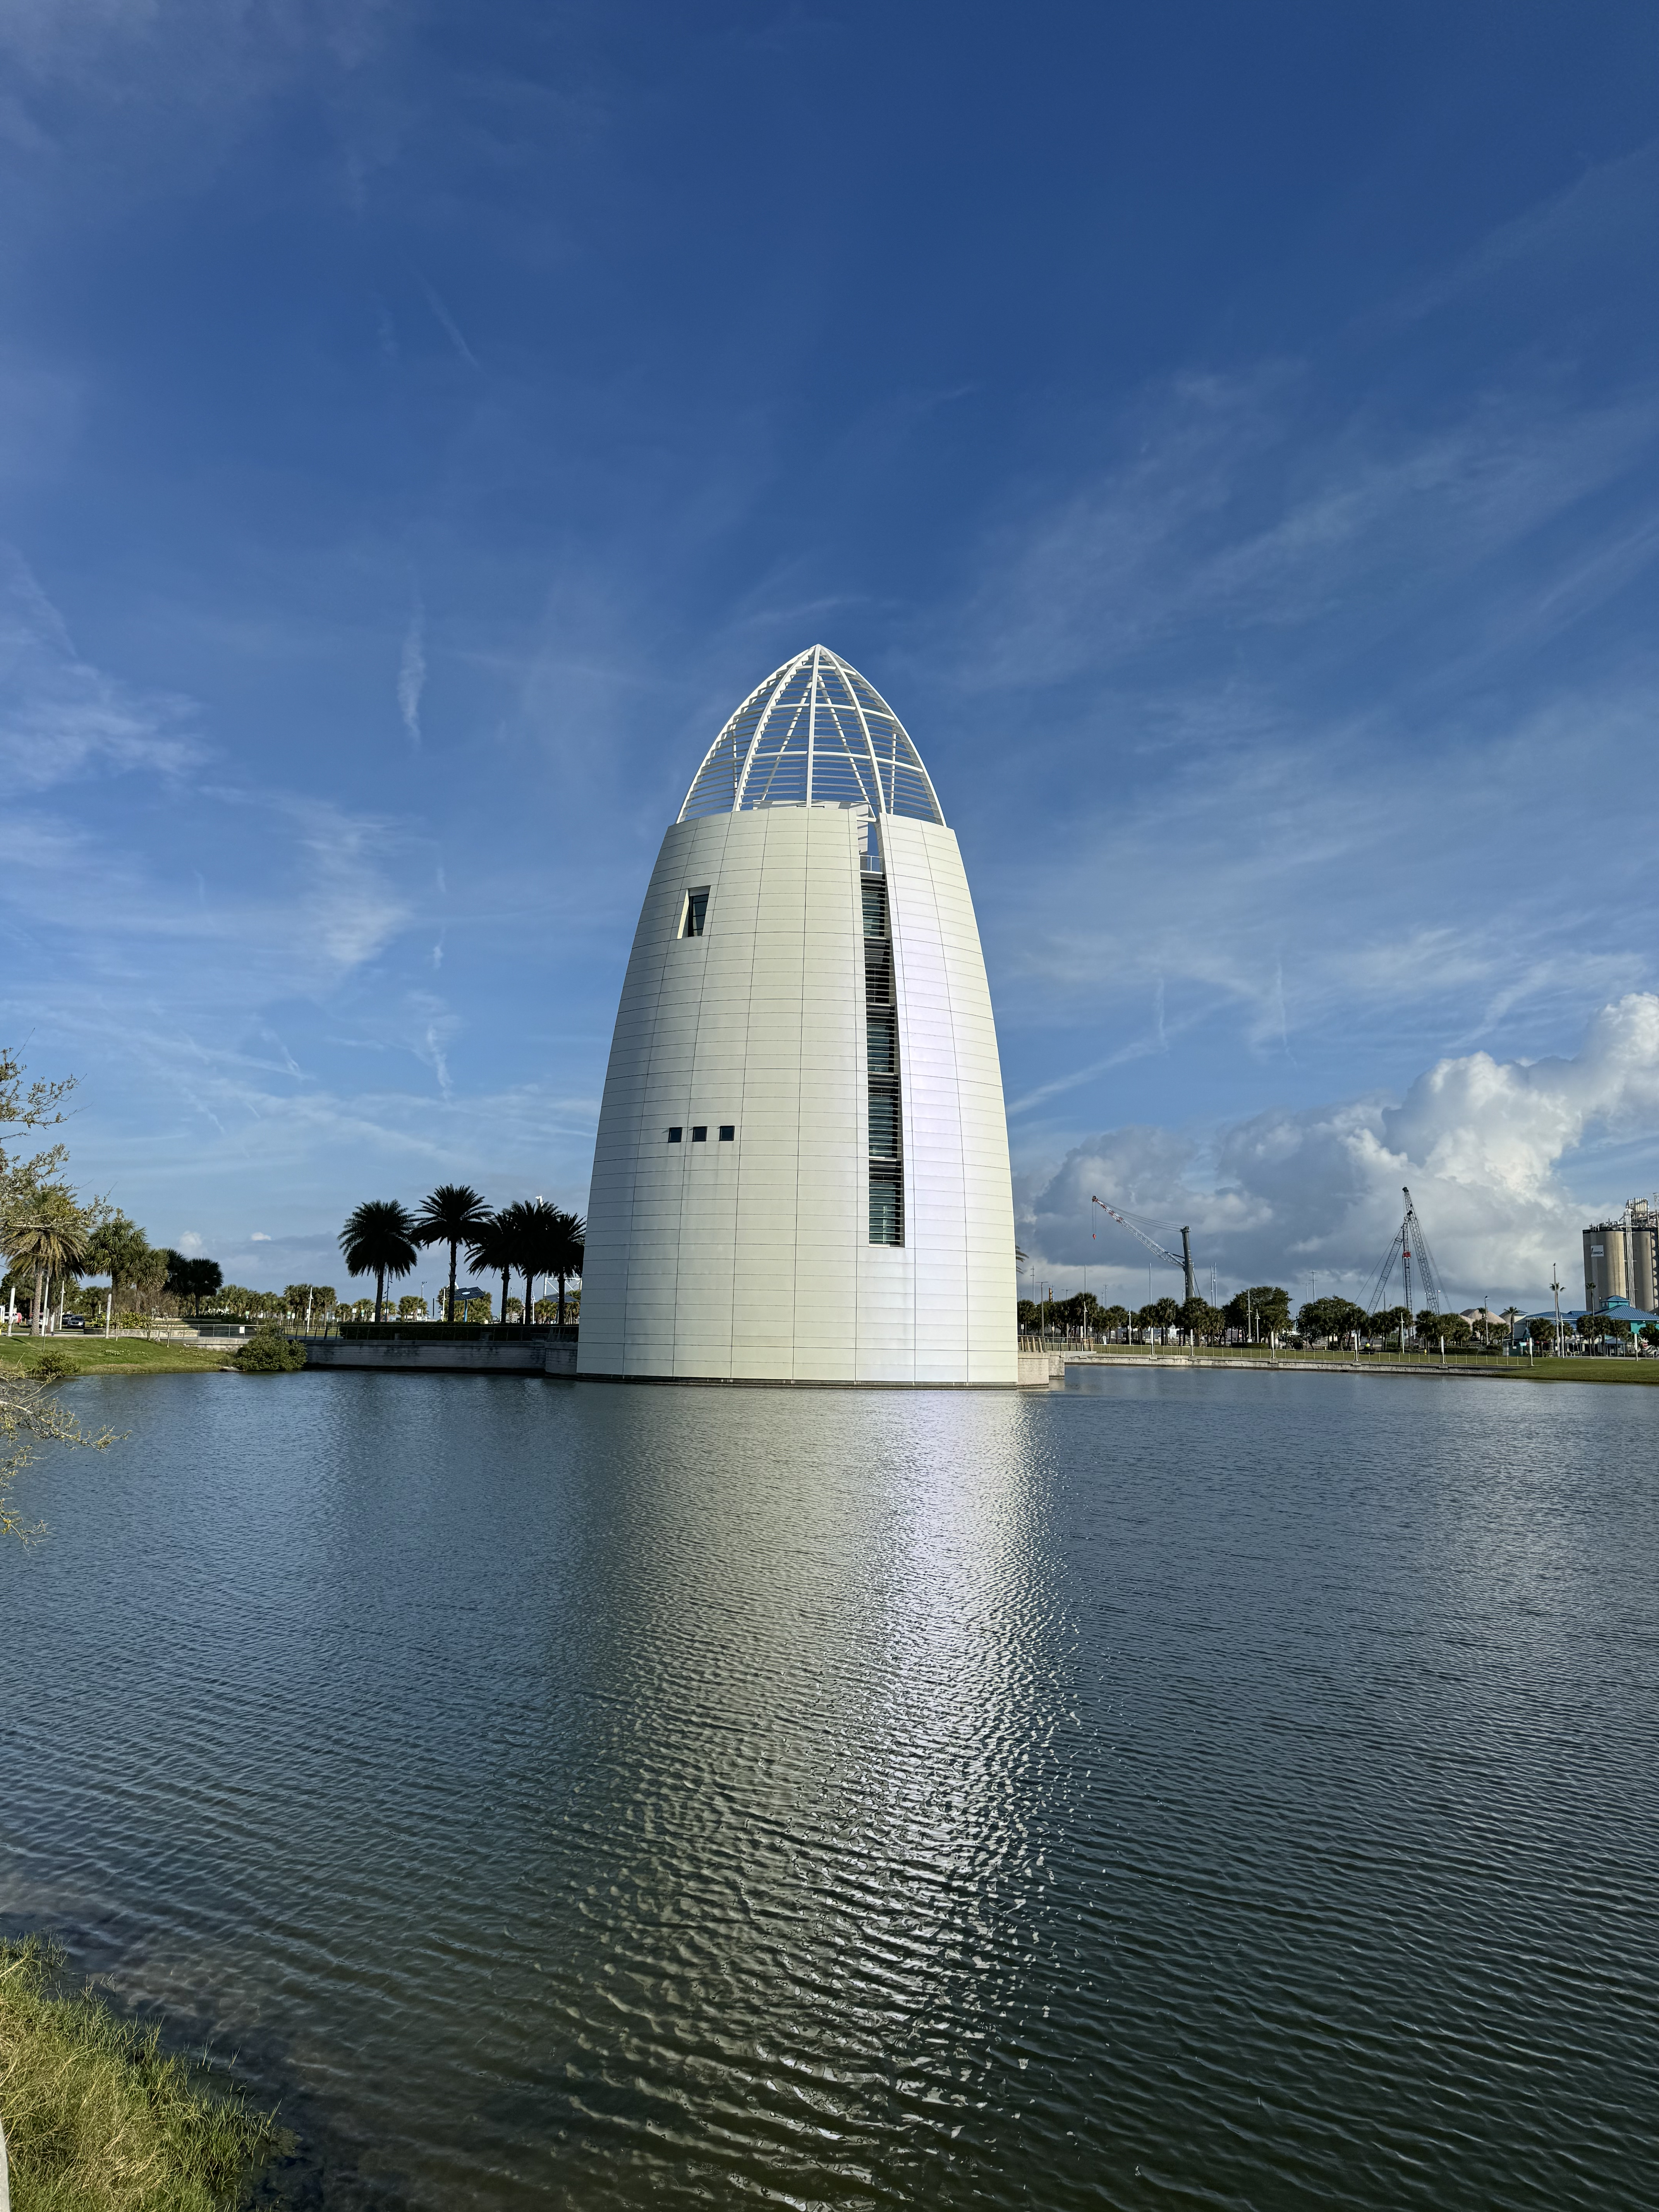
(1183, 1259)
(1409, 1239)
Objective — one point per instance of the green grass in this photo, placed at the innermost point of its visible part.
(97, 2120)
(1583, 1371)
(1643, 1370)
(119, 1355)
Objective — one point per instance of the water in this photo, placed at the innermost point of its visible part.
(1195, 1789)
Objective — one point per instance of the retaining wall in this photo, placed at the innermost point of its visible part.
(554, 1356)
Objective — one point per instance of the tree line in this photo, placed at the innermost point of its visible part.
(1263, 1312)
(51, 1239)
(1258, 1312)
(540, 1242)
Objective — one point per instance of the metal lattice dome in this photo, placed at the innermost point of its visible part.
(816, 733)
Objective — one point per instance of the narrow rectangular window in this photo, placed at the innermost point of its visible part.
(886, 1157)
(693, 913)
(884, 1123)
(700, 1133)
(674, 1136)
(886, 1206)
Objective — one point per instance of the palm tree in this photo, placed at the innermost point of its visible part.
(449, 1216)
(565, 1258)
(51, 1237)
(119, 1249)
(493, 1247)
(378, 1240)
(195, 1279)
(542, 1230)
(535, 1231)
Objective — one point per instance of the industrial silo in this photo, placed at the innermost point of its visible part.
(1606, 1273)
(1641, 1254)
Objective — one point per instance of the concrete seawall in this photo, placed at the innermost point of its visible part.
(407, 1355)
(1266, 1363)
(555, 1357)
(1038, 1370)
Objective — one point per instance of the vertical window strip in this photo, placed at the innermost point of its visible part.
(886, 1157)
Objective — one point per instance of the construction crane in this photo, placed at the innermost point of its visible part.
(1183, 1259)
(1409, 1240)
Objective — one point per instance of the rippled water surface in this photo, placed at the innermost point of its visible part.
(1191, 1789)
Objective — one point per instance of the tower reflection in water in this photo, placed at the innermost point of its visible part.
(821, 1753)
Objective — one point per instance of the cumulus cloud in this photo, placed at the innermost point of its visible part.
(1484, 1145)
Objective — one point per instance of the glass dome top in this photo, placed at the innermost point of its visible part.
(816, 733)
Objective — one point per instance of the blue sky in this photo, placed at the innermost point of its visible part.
(1229, 437)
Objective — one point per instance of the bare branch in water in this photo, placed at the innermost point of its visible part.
(31, 1415)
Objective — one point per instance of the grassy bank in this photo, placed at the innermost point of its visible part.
(1580, 1371)
(96, 2120)
(1508, 1370)
(119, 1355)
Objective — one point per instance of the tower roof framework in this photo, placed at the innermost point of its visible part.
(815, 733)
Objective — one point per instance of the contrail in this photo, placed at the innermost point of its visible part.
(411, 674)
(451, 327)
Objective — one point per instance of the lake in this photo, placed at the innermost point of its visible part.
(1192, 1788)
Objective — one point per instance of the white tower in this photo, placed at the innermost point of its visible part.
(802, 1173)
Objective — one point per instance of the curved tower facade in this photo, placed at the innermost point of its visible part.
(801, 1174)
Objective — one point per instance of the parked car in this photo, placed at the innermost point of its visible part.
(74, 1320)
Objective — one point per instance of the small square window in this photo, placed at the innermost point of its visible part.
(674, 1136)
(700, 1133)
(728, 1131)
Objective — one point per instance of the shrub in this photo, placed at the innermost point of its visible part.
(52, 1366)
(271, 1352)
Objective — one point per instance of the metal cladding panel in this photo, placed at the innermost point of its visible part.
(751, 1261)
(696, 1249)
(959, 1214)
